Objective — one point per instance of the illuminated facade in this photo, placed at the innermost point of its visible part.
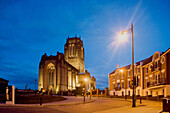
(65, 71)
(152, 77)
(74, 53)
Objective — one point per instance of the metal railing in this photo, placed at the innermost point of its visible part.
(161, 81)
(117, 88)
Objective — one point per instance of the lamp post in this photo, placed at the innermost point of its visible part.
(133, 98)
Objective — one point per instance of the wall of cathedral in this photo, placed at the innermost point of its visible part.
(55, 74)
(74, 53)
(65, 71)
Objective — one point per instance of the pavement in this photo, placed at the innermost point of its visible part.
(147, 106)
(70, 100)
(97, 105)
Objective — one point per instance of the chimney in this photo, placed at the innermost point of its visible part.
(117, 66)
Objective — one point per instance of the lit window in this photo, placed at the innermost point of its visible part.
(73, 49)
(138, 70)
(82, 52)
(113, 77)
(122, 75)
(70, 50)
(128, 73)
(146, 82)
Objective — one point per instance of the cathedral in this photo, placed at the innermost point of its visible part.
(65, 72)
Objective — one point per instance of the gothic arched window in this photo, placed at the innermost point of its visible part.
(70, 48)
(73, 49)
(82, 52)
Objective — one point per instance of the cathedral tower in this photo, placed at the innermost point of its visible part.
(74, 53)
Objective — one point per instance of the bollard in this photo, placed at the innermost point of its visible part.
(40, 101)
(84, 99)
(140, 100)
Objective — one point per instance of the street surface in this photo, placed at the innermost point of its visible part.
(94, 105)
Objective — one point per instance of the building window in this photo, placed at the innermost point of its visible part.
(129, 84)
(159, 78)
(122, 84)
(113, 77)
(113, 86)
(146, 70)
(146, 81)
(162, 60)
(50, 78)
(122, 75)
(73, 49)
(82, 52)
(156, 64)
(128, 73)
(150, 66)
(155, 79)
(163, 75)
(137, 81)
(129, 93)
(118, 85)
(70, 50)
(138, 70)
(150, 79)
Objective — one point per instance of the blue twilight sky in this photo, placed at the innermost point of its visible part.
(29, 28)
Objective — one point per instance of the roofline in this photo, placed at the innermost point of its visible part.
(168, 50)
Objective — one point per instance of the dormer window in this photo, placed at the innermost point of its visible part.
(162, 59)
(150, 66)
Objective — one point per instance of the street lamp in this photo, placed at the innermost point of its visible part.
(133, 98)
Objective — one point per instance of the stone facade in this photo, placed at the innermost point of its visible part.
(152, 77)
(56, 74)
(65, 71)
(74, 53)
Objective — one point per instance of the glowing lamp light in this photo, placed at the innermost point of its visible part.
(122, 37)
(85, 80)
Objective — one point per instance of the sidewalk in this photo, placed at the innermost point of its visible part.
(71, 100)
(147, 106)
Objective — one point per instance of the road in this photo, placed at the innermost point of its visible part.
(103, 105)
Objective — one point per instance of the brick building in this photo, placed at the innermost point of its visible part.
(152, 77)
